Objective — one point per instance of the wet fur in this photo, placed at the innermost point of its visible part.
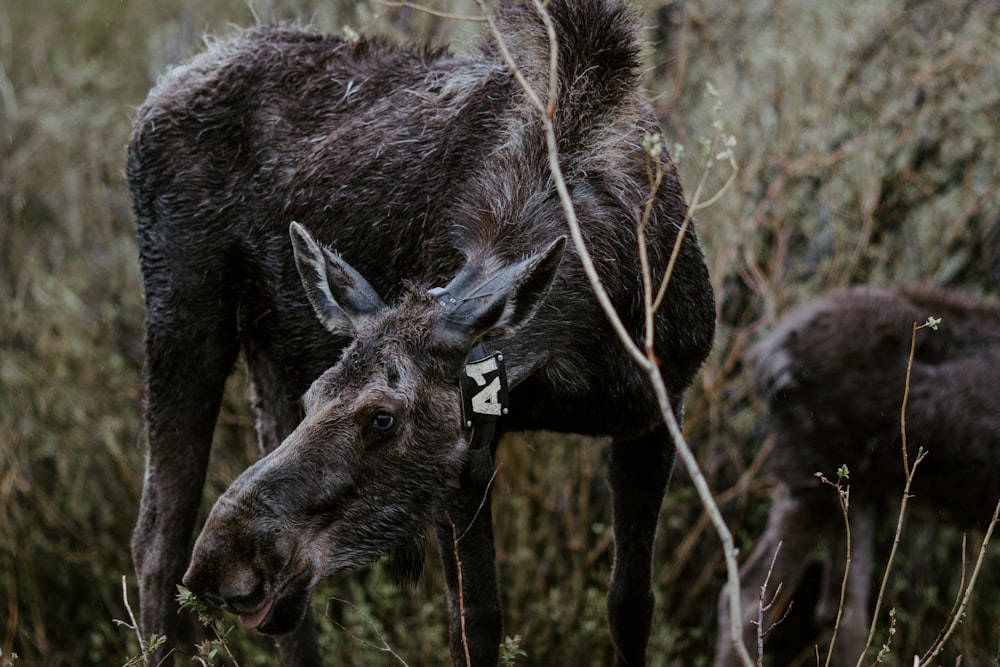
(413, 165)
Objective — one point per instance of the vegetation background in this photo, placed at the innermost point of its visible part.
(868, 145)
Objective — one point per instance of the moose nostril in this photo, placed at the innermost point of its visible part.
(195, 582)
(201, 586)
(243, 594)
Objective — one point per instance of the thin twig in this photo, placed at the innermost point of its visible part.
(461, 594)
(655, 178)
(456, 538)
(892, 556)
(648, 365)
(844, 497)
(972, 582)
(910, 471)
(761, 607)
(906, 398)
(550, 30)
(432, 12)
(385, 647)
(952, 614)
(482, 501)
(131, 617)
(784, 614)
(843, 585)
(695, 206)
(887, 646)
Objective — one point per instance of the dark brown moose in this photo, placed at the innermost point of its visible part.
(427, 224)
(832, 377)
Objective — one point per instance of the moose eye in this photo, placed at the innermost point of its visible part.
(383, 421)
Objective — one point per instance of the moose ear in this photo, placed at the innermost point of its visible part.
(341, 297)
(494, 305)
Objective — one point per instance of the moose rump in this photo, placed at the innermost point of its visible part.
(426, 224)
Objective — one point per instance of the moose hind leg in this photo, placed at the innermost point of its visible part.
(464, 528)
(639, 472)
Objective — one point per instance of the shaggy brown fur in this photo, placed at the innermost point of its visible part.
(416, 168)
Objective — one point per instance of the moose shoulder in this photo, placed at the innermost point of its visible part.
(426, 224)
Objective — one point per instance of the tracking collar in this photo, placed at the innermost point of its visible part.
(485, 394)
(485, 399)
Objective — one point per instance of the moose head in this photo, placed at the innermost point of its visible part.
(381, 439)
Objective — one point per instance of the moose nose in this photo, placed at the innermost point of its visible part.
(237, 588)
(243, 595)
(201, 583)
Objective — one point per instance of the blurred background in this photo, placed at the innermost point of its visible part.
(868, 140)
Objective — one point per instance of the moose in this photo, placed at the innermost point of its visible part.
(368, 224)
(832, 377)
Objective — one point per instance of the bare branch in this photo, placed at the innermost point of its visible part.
(953, 613)
(461, 592)
(647, 364)
(482, 501)
(550, 112)
(972, 582)
(761, 607)
(906, 397)
(775, 624)
(432, 12)
(910, 471)
(384, 647)
(131, 616)
(843, 497)
(533, 98)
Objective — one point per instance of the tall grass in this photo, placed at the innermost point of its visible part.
(868, 140)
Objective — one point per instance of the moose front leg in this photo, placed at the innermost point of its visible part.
(639, 471)
(300, 648)
(186, 367)
(464, 528)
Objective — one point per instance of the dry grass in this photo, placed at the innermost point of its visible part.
(868, 142)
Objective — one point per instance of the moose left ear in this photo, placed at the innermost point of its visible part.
(341, 297)
(493, 306)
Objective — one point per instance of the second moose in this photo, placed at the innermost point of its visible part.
(832, 377)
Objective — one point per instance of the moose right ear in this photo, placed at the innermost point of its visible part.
(497, 304)
(341, 297)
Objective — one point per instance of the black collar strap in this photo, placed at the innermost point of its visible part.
(484, 390)
(485, 394)
(483, 385)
